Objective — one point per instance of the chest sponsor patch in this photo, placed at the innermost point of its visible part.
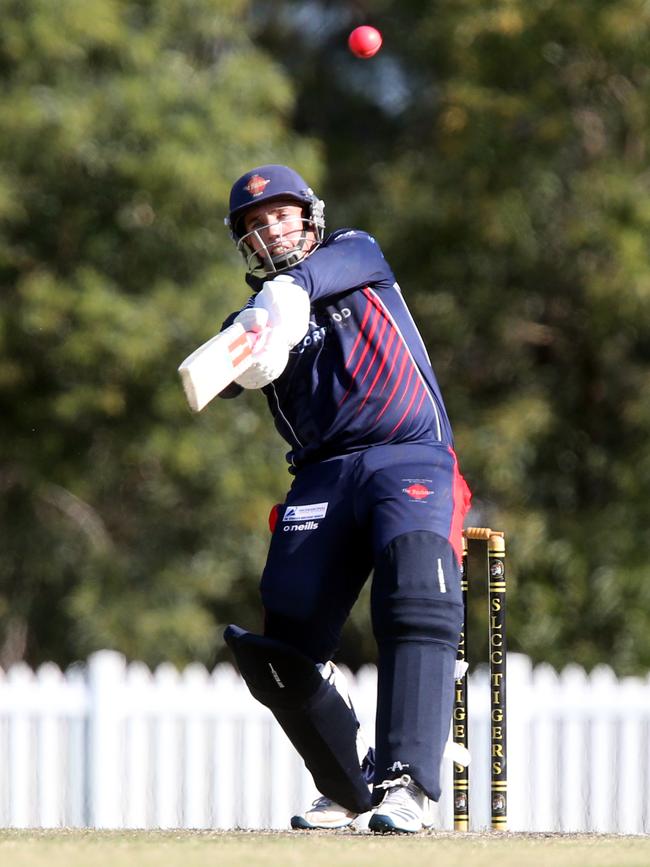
(312, 512)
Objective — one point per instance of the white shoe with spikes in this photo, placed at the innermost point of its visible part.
(323, 813)
(402, 810)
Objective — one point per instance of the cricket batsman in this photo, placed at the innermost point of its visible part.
(376, 489)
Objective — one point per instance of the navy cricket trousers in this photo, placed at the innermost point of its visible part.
(338, 518)
(396, 510)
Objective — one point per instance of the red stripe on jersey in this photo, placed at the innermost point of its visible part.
(418, 383)
(406, 386)
(462, 498)
(377, 348)
(366, 314)
(392, 367)
(373, 328)
(395, 387)
(379, 372)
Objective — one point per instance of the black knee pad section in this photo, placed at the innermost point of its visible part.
(416, 590)
(417, 617)
(276, 674)
(311, 712)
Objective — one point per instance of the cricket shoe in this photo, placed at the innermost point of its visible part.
(402, 810)
(323, 813)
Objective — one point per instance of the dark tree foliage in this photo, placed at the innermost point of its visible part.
(498, 152)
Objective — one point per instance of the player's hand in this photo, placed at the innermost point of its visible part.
(269, 362)
(253, 318)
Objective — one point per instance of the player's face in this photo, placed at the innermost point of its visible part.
(278, 227)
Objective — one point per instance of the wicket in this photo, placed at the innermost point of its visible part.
(491, 544)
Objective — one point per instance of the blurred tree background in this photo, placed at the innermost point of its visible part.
(498, 152)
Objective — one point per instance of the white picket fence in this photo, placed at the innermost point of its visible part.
(111, 745)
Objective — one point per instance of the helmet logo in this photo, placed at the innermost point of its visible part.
(256, 185)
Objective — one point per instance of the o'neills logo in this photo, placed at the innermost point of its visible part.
(256, 185)
(293, 528)
(417, 491)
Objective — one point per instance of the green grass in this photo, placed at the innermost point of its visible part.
(325, 849)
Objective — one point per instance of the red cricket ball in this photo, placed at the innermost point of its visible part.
(365, 41)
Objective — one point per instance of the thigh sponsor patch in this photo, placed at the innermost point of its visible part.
(417, 489)
(312, 512)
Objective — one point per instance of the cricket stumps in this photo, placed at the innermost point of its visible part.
(486, 546)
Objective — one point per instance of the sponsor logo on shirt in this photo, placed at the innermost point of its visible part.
(312, 512)
(293, 528)
(418, 489)
(317, 333)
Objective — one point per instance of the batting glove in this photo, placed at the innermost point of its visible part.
(288, 306)
(253, 318)
(269, 362)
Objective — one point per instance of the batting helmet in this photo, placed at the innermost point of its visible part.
(265, 184)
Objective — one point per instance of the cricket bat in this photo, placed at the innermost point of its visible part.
(217, 363)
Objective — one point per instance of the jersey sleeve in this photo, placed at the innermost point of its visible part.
(348, 260)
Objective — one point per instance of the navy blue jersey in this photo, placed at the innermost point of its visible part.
(361, 376)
